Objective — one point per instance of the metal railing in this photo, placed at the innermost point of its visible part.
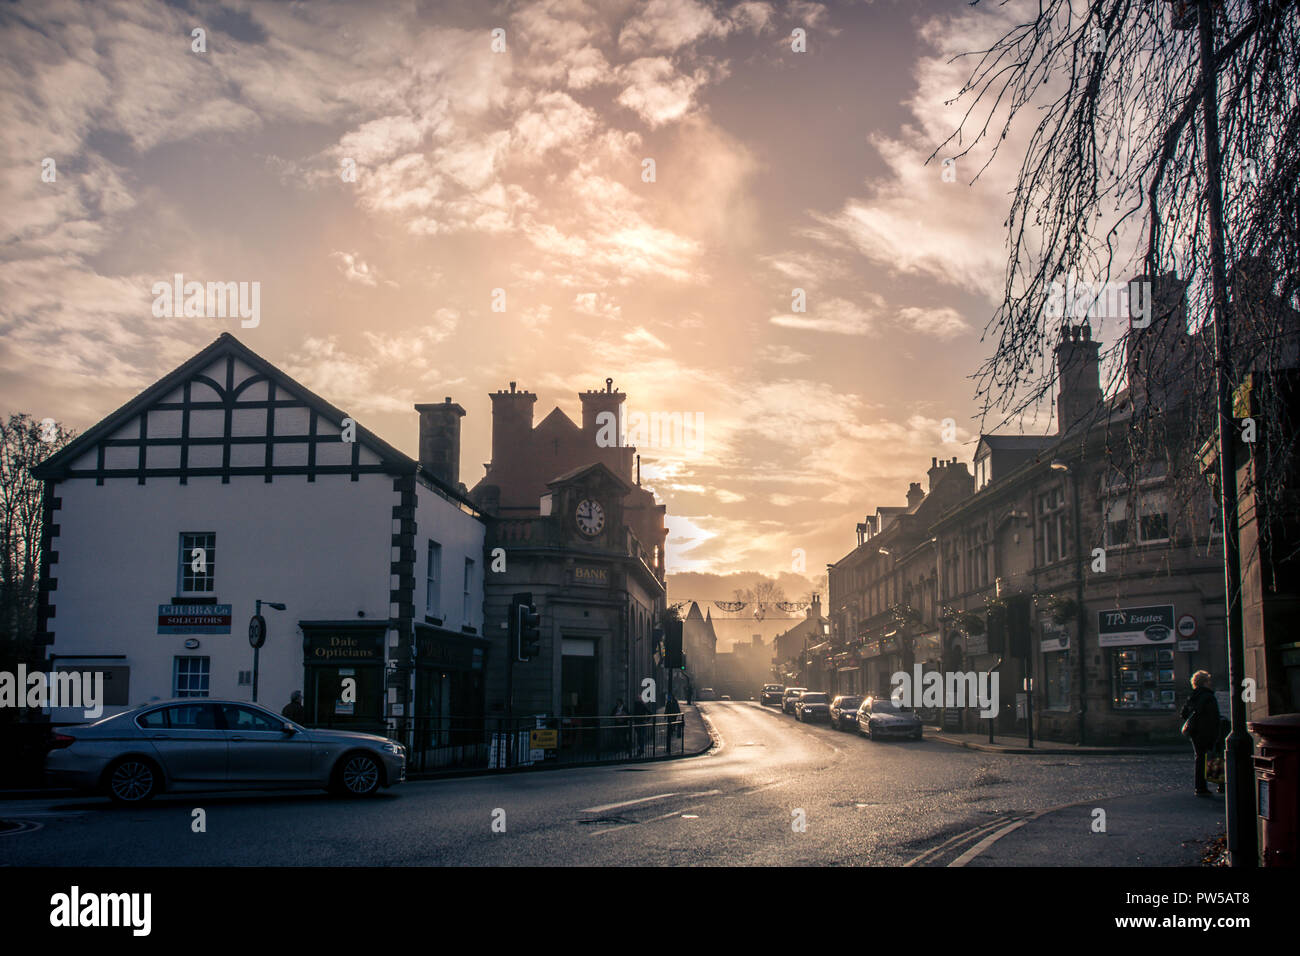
(465, 743)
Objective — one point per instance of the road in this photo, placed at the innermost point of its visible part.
(863, 803)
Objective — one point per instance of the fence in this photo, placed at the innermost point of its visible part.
(446, 743)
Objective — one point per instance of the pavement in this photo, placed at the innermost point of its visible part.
(766, 790)
(1003, 744)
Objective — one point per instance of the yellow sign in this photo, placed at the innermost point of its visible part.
(543, 739)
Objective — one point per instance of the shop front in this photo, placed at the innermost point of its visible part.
(449, 687)
(344, 675)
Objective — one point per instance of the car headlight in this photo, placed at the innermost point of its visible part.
(393, 747)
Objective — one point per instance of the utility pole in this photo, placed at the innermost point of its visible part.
(1242, 845)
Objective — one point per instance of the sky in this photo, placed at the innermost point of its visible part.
(505, 223)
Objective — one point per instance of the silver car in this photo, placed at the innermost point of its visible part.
(880, 717)
(206, 744)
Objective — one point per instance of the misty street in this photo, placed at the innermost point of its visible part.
(865, 803)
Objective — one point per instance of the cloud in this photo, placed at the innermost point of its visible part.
(839, 316)
(942, 322)
(355, 270)
(656, 92)
(598, 304)
(665, 26)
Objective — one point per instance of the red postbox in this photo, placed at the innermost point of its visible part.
(1277, 787)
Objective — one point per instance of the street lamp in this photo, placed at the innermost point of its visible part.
(257, 637)
(1061, 465)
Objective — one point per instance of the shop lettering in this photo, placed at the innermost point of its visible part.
(344, 647)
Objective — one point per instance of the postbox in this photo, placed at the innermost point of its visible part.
(1277, 787)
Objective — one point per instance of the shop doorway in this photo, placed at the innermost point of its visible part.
(578, 684)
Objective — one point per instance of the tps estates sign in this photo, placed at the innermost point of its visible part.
(194, 618)
(1136, 625)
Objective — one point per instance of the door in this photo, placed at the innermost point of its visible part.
(260, 751)
(190, 742)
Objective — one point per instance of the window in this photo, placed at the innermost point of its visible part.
(246, 718)
(154, 720)
(432, 596)
(190, 677)
(1153, 517)
(1052, 527)
(469, 588)
(198, 562)
(193, 716)
(982, 472)
(1116, 523)
(1142, 678)
(1056, 668)
(977, 558)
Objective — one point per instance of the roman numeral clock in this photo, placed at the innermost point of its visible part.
(589, 516)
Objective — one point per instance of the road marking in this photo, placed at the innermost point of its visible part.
(965, 835)
(629, 803)
(987, 842)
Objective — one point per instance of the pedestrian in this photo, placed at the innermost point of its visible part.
(671, 708)
(640, 714)
(619, 709)
(1201, 724)
(294, 709)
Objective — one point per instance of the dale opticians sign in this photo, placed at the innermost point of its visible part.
(1136, 625)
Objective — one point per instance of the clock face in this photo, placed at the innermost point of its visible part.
(590, 517)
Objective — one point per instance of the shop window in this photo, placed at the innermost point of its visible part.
(1056, 667)
(190, 676)
(433, 570)
(198, 562)
(1142, 678)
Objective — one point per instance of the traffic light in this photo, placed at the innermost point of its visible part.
(525, 627)
(673, 656)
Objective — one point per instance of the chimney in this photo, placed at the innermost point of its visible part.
(440, 439)
(512, 423)
(595, 401)
(1078, 376)
(936, 472)
(914, 495)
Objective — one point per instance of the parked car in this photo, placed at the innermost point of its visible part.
(881, 717)
(787, 696)
(812, 705)
(706, 693)
(772, 695)
(844, 711)
(726, 697)
(207, 744)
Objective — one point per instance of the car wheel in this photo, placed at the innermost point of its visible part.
(133, 780)
(358, 775)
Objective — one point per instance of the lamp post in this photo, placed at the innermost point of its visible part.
(257, 637)
(1063, 466)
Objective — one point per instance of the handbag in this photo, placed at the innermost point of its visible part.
(1189, 726)
(1214, 768)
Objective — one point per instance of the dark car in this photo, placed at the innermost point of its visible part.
(844, 711)
(880, 717)
(812, 705)
(772, 695)
(788, 696)
(209, 744)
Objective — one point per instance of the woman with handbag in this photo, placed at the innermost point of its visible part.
(1201, 724)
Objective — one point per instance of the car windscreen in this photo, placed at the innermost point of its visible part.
(883, 705)
(850, 702)
(812, 698)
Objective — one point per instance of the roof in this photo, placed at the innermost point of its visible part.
(1015, 442)
(56, 466)
(583, 469)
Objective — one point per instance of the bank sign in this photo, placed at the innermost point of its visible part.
(1137, 625)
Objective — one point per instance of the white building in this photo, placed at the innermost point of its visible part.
(227, 482)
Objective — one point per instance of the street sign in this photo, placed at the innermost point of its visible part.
(1186, 626)
(543, 739)
(256, 631)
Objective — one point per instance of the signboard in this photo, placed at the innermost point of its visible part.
(543, 739)
(1187, 627)
(1136, 625)
(324, 646)
(1188, 646)
(194, 618)
(256, 630)
(1055, 637)
(591, 574)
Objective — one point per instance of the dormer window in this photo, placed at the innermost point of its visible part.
(983, 471)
